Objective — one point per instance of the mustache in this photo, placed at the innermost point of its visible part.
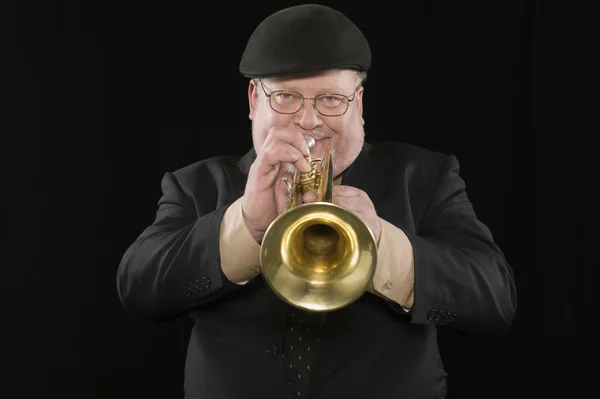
(319, 136)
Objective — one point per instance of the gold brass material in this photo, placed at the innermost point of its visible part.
(318, 256)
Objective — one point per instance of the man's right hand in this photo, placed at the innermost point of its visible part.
(266, 193)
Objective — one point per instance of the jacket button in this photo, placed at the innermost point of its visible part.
(272, 350)
(205, 282)
(448, 317)
(433, 315)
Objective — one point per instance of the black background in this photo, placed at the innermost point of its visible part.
(109, 96)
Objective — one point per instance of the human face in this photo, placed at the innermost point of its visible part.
(344, 134)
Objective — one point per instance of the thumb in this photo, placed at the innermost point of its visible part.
(310, 196)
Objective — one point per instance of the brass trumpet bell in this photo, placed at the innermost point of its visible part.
(318, 256)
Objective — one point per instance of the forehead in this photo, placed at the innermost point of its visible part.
(342, 81)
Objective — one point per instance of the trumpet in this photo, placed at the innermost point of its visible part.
(317, 256)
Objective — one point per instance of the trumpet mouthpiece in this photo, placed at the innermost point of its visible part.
(310, 141)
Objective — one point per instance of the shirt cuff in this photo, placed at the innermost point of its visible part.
(394, 274)
(240, 253)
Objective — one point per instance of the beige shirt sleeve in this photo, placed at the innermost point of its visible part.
(394, 274)
(240, 253)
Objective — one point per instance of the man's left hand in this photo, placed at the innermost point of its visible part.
(357, 201)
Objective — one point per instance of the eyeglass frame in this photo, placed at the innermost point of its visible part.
(314, 100)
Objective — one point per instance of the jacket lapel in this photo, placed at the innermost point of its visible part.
(246, 161)
(368, 174)
(238, 175)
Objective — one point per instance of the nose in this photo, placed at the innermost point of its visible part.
(308, 118)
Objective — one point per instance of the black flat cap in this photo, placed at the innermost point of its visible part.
(303, 39)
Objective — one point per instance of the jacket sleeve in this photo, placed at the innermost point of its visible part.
(462, 279)
(174, 265)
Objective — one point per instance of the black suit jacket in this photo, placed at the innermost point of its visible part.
(371, 349)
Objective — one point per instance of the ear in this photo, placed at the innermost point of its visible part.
(359, 103)
(252, 98)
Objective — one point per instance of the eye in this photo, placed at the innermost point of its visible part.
(285, 97)
(331, 101)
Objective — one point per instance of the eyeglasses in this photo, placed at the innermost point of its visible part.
(290, 102)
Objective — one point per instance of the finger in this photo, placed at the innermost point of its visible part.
(291, 136)
(347, 202)
(286, 169)
(279, 154)
(359, 204)
(294, 138)
(310, 196)
(297, 138)
(300, 161)
(346, 191)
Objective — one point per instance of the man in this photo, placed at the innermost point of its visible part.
(437, 264)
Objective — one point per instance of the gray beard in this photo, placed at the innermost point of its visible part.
(340, 167)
